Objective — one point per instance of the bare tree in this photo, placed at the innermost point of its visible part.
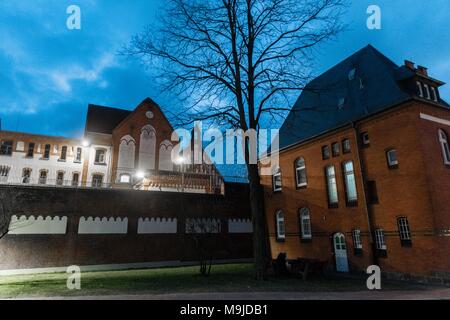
(238, 63)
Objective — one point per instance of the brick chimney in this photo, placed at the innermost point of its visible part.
(410, 65)
(422, 70)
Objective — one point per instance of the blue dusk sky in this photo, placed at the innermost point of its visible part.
(49, 74)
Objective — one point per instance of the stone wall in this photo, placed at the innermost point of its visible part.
(109, 231)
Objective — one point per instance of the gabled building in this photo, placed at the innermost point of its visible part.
(120, 149)
(364, 172)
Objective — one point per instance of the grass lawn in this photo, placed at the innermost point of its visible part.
(223, 278)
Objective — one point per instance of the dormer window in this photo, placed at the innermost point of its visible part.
(351, 74)
(427, 91)
(434, 94)
(419, 86)
(341, 103)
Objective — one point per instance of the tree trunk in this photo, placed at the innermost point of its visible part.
(260, 235)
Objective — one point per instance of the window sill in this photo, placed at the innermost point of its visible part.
(62, 160)
(45, 159)
(333, 206)
(99, 164)
(352, 204)
(381, 253)
(77, 161)
(406, 243)
(303, 186)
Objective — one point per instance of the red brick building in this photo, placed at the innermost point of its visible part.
(364, 172)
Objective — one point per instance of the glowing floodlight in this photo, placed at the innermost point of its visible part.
(140, 174)
(85, 143)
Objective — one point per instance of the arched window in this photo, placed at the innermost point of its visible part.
(443, 139)
(165, 156)
(26, 175)
(305, 223)
(43, 177)
(276, 179)
(333, 199)
(127, 149)
(147, 148)
(280, 225)
(300, 173)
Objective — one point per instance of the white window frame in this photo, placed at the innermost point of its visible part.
(43, 180)
(331, 185)
(300, 165)
(419, 85)
(78, 154)
(102, 158)
(403, 229)
(380, 240)
(280, 225)
(427, 91)
(63, 155)
(365, 138)
(356, 235)
(443, 140)
(60, 182)
(434, 94)
(347, 180)
(305, 223)
(95, 183)
(277, 175)
(390, 161)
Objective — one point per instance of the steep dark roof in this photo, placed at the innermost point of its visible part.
(102, 119)
(376, 86)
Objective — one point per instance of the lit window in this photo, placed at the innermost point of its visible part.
(125, 178)
(335, 150)
(443, 140)
(325, 152)
(60, 178)
(78, 154)
(30, 152)
(427, 91)
(391, 157)
(365, 139)
(281, 231)
(6, 148)
(357, 243)
(97, 180)
(350, 182)
(75, 179)
(276, 179)
(434, 94)
(300, 173)
(26, 175)
(419, 86)
(63, 153)
(346, 146)
(43, 177)
(331, 186)
(305, 223)
(379, 239)
(404, 231)
(46, 152)
(100, 156)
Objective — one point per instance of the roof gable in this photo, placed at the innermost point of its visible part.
(103, 120)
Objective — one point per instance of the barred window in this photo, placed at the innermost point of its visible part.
(379, 239)
(404, 231)
(305, 223)
(357, 243)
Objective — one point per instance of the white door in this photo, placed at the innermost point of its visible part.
(340, 250)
